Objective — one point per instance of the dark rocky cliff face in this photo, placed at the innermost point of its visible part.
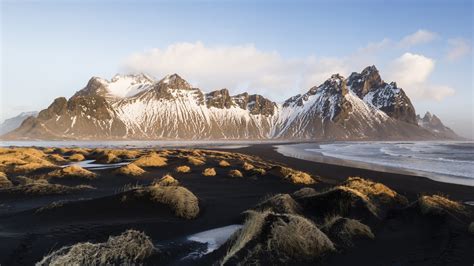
(388, 98)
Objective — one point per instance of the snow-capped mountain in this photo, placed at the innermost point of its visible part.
(138, 107)
(14, 122)
(432, 123)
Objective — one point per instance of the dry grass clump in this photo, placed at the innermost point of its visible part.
(125, 154)
(77, 157)
(196, 161)
(224, 163)
(72, 171)
(42, 187)
(23, 160)
(470, 229)
(130, 169)
(342, 201)
(129, 248)
(235, 173)
(375, 191)
(182, 201)
(209, 172)
(344, 231)
(247, 167)
(304, 192)
(439, 205)
(183, 169)
(4, 181)
(270, 238)
(259, 171)
(167, 180)
(108, 157)
(151, 160)
(48, 150)
(295, 176)
(280, 203)
(56, 158)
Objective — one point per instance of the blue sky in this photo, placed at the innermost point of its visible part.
(277, 48)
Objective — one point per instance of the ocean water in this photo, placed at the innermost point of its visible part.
(450, 162)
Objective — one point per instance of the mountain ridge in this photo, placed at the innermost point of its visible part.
(360, 107)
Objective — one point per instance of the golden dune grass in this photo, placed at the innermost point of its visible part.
(108, 157)
(42, 187)
(129, 248)
(259, 171)
(23, 160)
(295, 176)
(72, 171)
(183, 169)
(196, 161)
(182, 201)
(224, 163)
(280, 203)
(77, 157)
(247, 167)
(235, 173)
(282, 238)
(209, 172)
(4, 181)
(439, 205)
(130, 170)
(56, 158)
(344, 231)
(151, 160)
(375, 191)
(166, 180)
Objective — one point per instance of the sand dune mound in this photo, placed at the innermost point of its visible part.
(72, 171)
(294, 176)
(268, 238)
(130, 169)
(280, 203)
(129, 248)
(438, 205)
(151, 160)
(167, 180)
(209, 172)
(344, 231)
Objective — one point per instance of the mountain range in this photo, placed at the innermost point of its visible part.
(359, 107)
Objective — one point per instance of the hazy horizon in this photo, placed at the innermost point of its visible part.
(51, 48)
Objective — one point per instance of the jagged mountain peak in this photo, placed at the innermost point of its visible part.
(174, 81)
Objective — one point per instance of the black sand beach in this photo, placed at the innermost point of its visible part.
(27, 235)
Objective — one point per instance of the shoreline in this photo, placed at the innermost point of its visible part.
(410, 185)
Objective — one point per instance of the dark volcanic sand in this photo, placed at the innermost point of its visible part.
(25, 237)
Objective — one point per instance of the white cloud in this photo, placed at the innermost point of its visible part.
(458, 48)
(237, 67)
(246, 68)
(411, 72)
(419, 37)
